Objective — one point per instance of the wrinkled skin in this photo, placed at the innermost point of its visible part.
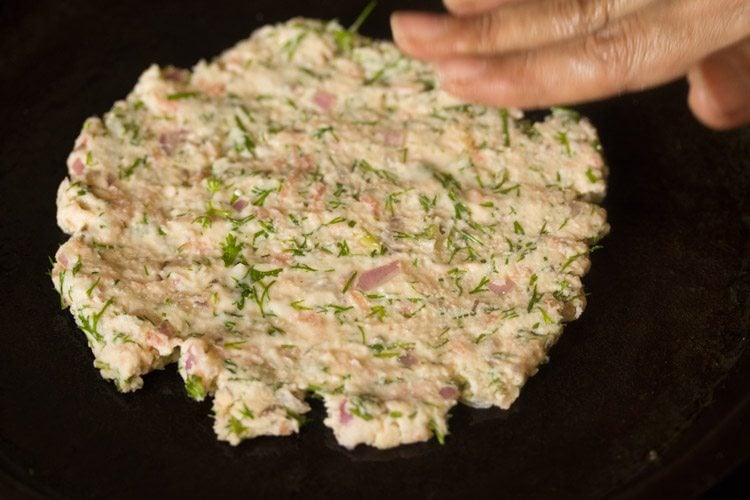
(535, 53)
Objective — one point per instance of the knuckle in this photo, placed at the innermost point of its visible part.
(486, 33)
(615, 53)
(585, 16)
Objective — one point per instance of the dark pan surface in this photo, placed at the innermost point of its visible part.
(647, 392)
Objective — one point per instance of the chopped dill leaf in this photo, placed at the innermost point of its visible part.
(194, 388)
(506, 132)
(432, 425)
(362, 17)
(303, 267)
(591, 176)
(378, 311)
(76, 267)
(343, 247)
(93, 285)
(182, 95)
(231, 250)
(535, 297)
(298, 305)
(562, 138)
(349, 282)
(481, 287)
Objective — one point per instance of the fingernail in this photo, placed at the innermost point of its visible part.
(460, 69)
(417, 26)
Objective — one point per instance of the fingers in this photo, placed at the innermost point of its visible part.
(513, 25)
(720, 87)
(534, 79)
(468, 7)
(638, 51)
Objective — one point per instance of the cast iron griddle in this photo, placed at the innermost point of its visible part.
(646, 393)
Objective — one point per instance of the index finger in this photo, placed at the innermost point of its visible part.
(468, 7)
(512, 26)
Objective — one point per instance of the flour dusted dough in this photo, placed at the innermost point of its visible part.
(309, 215)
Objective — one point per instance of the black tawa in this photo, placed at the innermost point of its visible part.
(646, 394)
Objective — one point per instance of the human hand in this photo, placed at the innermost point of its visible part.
(537, 53)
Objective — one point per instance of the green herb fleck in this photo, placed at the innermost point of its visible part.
(357, 408)
(566, 113)
(562, 137)
(90, 289)
(274, 331)
(535, 297)
(365, 166)
(262, 194)
(427, 203)
(290, 46)
(231, 250)
(298, 305)
(76, 267)
(235, 345)
(354, 28)
(481, 287)
(318, 134)
(194, 387)
(349, 282)
(247, 142)
(236, 426)
(378, 311)
(125, 173)
(89, 325)
(506, 132)
(182, 95)
(303, 267)
(343, 247)
(247, 412)
(484, 336)
(545, 317)
(591, 176)
(432, 425)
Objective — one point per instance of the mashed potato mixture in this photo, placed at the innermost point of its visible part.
(309, 215)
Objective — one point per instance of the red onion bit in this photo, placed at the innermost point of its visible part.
(324, 100)
(171, 140)
(344, 416)
(189, 360)
(501, 288)
(449, 392)
(239, 205)
(78, 166)
(63, 259)
(393, 137)
(408, 359)
(166, 328)
(376, 277)
(173, 74)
